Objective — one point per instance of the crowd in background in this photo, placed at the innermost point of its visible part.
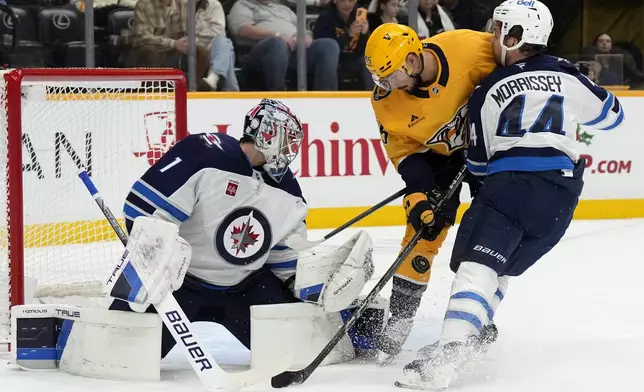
(251, 44)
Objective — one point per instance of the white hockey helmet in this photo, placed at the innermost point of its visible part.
(277, 133)
(532, 16)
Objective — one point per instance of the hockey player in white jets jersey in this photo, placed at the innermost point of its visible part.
(235, 202)
(523, 120)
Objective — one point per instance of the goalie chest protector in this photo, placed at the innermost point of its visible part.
(231, 214)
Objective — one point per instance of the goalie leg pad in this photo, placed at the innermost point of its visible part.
(300, 329)
(87, 342)
(304, 329)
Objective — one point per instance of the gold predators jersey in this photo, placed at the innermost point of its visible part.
(434, 117)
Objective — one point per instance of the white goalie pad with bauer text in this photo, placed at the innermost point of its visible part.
(335, 281)
(154, 263)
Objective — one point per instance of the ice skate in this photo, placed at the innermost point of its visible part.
(443, 368)
(489, 334)
(390, 343)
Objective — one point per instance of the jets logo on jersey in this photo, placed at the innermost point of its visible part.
(243, 236)
(452, 134)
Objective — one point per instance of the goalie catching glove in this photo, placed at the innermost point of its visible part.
(154, 264)
(335, 281)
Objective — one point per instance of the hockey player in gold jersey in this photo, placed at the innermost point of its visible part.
(420, 102)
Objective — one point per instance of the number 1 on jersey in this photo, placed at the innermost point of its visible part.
(167, 167)
(549, 120)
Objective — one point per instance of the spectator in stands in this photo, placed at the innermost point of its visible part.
(382, 11)
(211, 34)
(159, 36)
(351, 31)
(622, 64)
(432, 19)
(603, 42)
(270, 28)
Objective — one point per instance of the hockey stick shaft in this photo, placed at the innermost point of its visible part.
(89, 184)
(299, 376)
(297, 242)
(366, 213)
(180, 327)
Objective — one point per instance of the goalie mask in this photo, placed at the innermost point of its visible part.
(277, 133)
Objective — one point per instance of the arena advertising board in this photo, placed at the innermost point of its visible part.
(342, 165)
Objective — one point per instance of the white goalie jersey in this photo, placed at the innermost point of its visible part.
(234, 217)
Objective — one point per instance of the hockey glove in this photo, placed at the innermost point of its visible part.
(419, 212)
(443, 217)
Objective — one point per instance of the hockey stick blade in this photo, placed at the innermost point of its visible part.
(410, 386)
(300, 376)
(212, 376)
(298, 242)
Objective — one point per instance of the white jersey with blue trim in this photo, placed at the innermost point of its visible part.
(524, 117)
(234, 217)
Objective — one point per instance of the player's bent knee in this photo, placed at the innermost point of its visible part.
(304, 329)
(416, 268)
(87, 342)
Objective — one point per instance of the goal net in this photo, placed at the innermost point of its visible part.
(114, 123)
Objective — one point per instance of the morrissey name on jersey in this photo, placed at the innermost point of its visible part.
(518, 85)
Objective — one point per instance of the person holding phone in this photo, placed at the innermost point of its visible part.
(347, 23)
(382, 11)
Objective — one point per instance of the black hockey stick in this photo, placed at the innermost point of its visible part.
(299, 376)
(298, 242)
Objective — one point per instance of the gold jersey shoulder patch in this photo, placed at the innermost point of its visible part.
(380, 93)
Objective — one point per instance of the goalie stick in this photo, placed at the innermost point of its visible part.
(208, 371)
(299, 376)
(298, 242)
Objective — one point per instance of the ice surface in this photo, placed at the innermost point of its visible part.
(574, 322)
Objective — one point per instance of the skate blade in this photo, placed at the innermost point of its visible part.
(418, 387)
(441, 380)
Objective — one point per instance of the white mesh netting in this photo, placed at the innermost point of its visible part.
(115, 130)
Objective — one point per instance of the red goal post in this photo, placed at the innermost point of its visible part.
(113, 122)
